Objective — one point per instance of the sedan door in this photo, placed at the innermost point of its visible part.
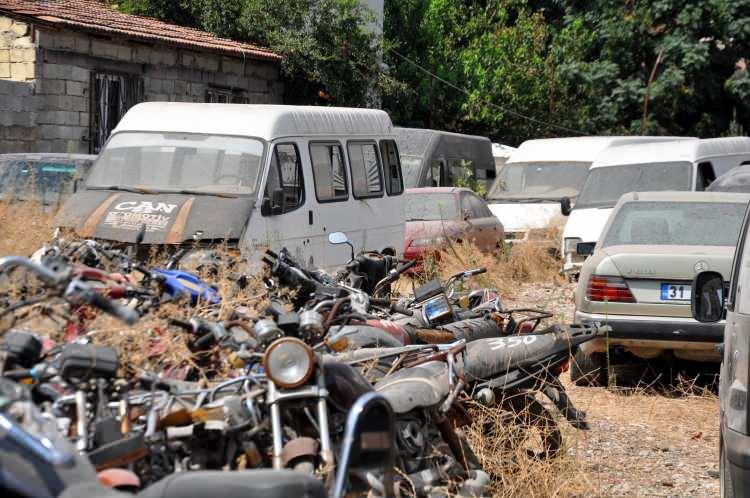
(484, 228)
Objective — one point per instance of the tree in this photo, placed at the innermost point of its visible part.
(330, 56)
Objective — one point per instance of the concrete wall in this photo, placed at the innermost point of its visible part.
(45, 83)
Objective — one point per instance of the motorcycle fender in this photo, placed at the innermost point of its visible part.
(422, 386)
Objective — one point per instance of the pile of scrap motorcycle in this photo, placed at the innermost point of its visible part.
(337, 388)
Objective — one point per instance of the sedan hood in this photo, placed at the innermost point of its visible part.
(667, 261)
(169, 218)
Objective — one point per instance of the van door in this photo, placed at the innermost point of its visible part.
(283, 203)
(335, 210)
(736, 362)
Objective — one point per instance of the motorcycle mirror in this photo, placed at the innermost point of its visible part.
(337, 238)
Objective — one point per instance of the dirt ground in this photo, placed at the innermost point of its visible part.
(644, 441)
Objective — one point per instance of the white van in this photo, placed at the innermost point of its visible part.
(527, 192)
(255, 175)
(686, 164)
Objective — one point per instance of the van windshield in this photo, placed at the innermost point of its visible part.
(539, 181)
(676, 223)
(604, 186)
(170, 162)
(430, 207)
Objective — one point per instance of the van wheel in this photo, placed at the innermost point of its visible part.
(725, 477)
(589, 369)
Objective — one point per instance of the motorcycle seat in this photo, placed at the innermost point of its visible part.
(488, 358)
(421, 386)
(209, 484)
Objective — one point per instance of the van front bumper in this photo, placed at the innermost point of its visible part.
(649, 335)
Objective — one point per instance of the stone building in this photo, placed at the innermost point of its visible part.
(69, 69)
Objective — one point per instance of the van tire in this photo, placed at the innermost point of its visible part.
(589, 369)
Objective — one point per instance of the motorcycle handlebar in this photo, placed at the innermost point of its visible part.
(48, 276)
(122, 313)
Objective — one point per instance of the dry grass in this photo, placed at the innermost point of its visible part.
(24, 227)
(640, 438)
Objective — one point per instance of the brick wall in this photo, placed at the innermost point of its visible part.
(46, 74)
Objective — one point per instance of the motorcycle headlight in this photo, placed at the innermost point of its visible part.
(571, 244)
(288, 362)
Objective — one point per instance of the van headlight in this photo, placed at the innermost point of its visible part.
(571, 244)
(289, 362)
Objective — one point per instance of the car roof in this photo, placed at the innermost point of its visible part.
(38, 156)
(572, 149)
(736, 179)
(675, 196)
(681, 150)
(437, 190)
(266, 122)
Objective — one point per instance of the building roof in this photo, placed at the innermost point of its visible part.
(573, 149)
(97, 17)
(267, 122)
(673, 151)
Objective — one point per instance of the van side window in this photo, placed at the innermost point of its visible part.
(460, 169)
(285, 184)
(328, 172)
(706, 175)
(394, 183)
(367, 180)
(437, 174)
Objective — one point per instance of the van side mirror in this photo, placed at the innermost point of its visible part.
(585, 248)
(275, 205)
(707, 297)
(565, 206)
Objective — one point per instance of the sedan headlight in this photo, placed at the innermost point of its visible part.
(289, 362)
(571, 244)
(429, 241)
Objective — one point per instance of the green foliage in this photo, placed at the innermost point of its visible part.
(582, 65)
(515, 69)
(329, 54)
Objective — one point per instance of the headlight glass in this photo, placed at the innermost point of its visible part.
(571, 244)
(288, 362)
(429, 241)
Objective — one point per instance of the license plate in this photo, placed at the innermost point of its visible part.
(675, 292)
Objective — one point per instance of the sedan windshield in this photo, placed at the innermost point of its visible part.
(539, 181)
(430, 207)
(604, 186)
(168, 162)
(676, 223)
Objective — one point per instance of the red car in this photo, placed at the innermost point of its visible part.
(435, 215)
